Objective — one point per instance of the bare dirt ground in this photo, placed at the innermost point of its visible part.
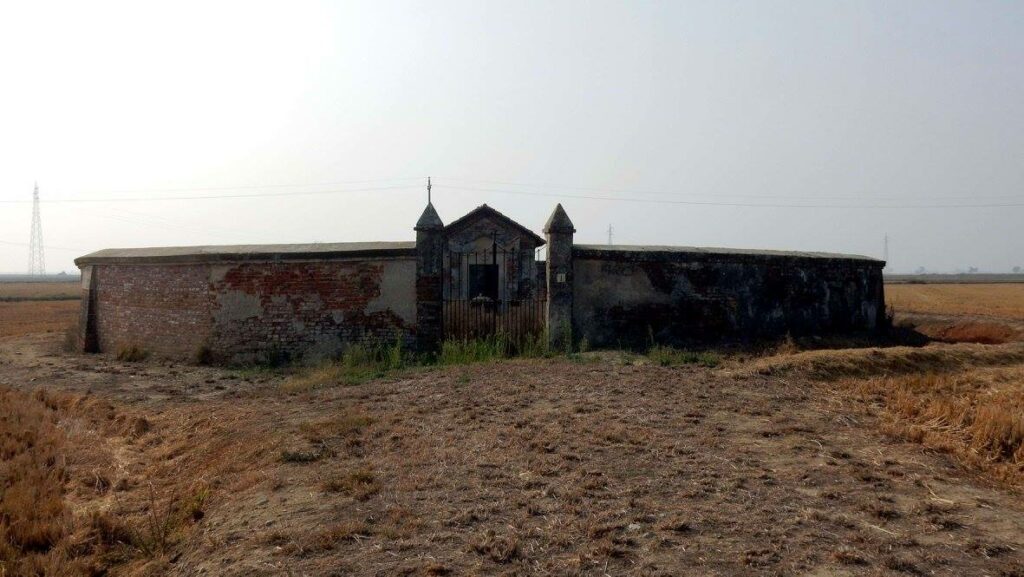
(599, 466)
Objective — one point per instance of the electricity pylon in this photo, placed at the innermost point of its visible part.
(36, 262)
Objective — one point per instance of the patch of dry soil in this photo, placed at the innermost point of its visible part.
(546, 467)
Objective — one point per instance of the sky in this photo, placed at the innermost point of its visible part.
(800, 125)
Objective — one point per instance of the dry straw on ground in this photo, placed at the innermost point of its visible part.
(1003, 300)
(60, 513)
(977, 414)
(31, 317)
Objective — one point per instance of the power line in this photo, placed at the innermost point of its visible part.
(219, 196)
(251, 186)
(549, 186)
(733, 204)
(543, 194)
(166, 225)
(48, 247)
(142, 219)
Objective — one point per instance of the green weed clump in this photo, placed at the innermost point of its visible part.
(669, 357)
(466, 351)
(357, 365)
(491, 348)
(535, 346)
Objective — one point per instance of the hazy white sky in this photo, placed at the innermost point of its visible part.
(831, 109)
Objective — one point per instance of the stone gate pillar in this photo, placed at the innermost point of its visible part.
(559, 231)
(429, 280)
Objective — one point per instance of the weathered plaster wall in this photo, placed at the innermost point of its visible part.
(624, 297)
(256, 310)
(292, 309)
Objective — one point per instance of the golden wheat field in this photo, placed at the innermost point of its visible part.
(1004, 300)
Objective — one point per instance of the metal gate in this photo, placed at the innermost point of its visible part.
(492, 292)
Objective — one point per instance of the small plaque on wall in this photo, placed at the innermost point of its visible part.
(560, 277)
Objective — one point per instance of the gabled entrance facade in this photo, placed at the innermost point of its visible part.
(490, 278)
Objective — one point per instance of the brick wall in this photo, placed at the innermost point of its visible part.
(254, 311)
(293, 310)
(163, 309)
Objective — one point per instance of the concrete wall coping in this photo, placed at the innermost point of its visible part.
(249, 252)
(654, 253)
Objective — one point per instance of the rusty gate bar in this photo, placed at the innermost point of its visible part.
(511, 311)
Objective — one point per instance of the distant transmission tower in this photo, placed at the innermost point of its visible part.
(611, 231)
(36, 262)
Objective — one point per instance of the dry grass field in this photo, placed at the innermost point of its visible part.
(30, 317)
(1000, 300)
(977, 416)
(18, 291)
(37, 307)
(606, 464)
(829, 462)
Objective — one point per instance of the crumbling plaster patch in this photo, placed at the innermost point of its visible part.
(235, 306)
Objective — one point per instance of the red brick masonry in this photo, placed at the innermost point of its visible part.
(254, 311)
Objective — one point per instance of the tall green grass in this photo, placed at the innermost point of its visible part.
(494, 347)
(357, 364)
(465, 351)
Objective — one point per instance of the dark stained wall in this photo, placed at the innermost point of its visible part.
(631, 297)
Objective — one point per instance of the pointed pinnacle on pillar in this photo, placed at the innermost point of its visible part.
(559, 221)
(429, 220)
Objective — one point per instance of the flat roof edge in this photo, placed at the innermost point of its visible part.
(211, 255)
(595, 251)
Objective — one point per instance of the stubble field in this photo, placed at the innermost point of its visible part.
(778, 461)
(39, 291)
(31, 317)
(997, 300)
(37, 307)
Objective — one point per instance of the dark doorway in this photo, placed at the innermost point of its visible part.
(482, 297)
(483, 281)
